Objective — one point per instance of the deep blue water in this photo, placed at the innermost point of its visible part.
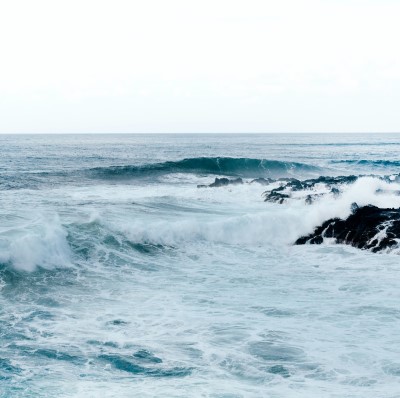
(120, 278)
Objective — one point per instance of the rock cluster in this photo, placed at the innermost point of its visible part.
(368, 227)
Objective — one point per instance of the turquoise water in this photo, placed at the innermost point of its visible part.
(120, 278)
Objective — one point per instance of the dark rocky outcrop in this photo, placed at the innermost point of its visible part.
(368, 227)
(262, 181)
(276, 196)
(280, 194)
(222, 182)
(289, 185)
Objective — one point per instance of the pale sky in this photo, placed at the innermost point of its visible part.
(199, 66)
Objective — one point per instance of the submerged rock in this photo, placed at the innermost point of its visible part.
(309, 199)
(276, 196)
(222, 182)
(262, 181)
(368, 227)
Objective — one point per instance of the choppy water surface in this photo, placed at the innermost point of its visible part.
(120, 278)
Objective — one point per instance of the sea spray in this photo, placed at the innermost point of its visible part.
(37, 242)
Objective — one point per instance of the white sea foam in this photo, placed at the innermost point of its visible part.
(35, 243)
(252, 221)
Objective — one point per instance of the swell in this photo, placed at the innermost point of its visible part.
(243, 167)
(227, 166)
(365, 162)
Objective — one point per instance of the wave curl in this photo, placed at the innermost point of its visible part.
(243, 167)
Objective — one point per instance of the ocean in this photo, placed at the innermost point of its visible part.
(124, 274)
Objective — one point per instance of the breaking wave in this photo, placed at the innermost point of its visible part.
(270, 224)
(38, 243)
(45, 243)
(243, 167)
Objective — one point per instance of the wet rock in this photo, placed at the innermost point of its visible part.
(290, 185)
(309, 199)
(354, 207)
(262, 181)
(335, 192)
(368, 227)
(222, 182)
(276, 197)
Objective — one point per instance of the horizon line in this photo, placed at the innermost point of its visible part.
(204, 133)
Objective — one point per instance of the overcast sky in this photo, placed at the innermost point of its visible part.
(199, 66)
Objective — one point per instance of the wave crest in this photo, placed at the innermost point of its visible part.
(243, 167)
(371, 163)
(39, 243)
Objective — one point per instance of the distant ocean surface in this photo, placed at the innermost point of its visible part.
(120, 277)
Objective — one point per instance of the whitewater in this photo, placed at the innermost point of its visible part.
(123, 273)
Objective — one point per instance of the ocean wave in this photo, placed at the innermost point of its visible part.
(122, 238)
(272, 225)
(365, 162)
(37, 243)
(243, 167)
